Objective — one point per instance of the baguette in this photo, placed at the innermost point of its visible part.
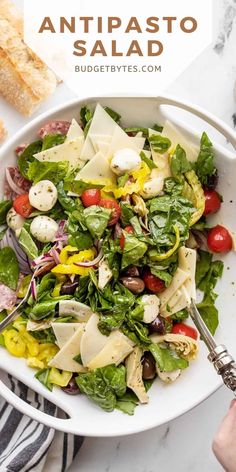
(9, 11)
(3, 132)
(25, 81)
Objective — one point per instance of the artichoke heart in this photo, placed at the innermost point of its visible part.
(193, 191)
(185, 346)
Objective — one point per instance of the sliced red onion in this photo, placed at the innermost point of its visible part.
(33, 287)
(90, 263)
(11, 183)
(55, 255)
(44, 258)
(201, 239)
(9, 239)
(61, 236)
(118, 231)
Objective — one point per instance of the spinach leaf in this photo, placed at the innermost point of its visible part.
(52, 140)
(173, 186)
(43, 377)
(68, 203)
(159, 143)
(167, 360)
(5, 206)
(147, 161)
(80, 239)
(103, 385)
(9, 268)
(180, 316)
(179, 163)
(27, 244)
(208, 272)
(162, 274)
(127, 403)
(53, 171)
(86, 115)
(133, 251)
(138, 129)
(121, 181)
(28, 156)
(96, 219)
(126, 213)
(78, 186)
(205, 166)
(44, 336)
(113, 114)
(44, 308)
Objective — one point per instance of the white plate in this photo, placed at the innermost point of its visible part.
(198, 381)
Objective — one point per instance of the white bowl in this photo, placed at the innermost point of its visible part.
(199, 380)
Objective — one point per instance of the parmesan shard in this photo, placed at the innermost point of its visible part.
(93, 341)
(104, 274)
(64, 332)
(69, 151)
(116, 349)
(64, 359)
(176, 137)
(187, 262)
(97, 170)
(75, 131)
(134, 371)
(179, 278)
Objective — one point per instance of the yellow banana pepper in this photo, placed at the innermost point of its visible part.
(59, 378)
(69, 267)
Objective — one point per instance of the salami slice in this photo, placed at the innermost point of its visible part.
(20, 149)
(54, 127)
(8, 298)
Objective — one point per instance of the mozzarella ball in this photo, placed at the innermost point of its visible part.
(14, 220)
(43, 195)
(151, 305)
(153, 187)
(43, 228)
(125, 160)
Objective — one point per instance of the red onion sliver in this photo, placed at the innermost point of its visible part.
(11, 183)
(33, 289)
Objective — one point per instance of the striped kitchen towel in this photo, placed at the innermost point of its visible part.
(26, 445)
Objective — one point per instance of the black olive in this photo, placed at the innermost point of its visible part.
(212, 181)
(157, 326)
(134, 284)
(132, 271)
(69, 288)
(72, 387)
(149, 366)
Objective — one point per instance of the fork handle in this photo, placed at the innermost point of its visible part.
(224, 365)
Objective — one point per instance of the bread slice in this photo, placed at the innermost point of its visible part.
(25, 81)
(9, 11)
(3, 132)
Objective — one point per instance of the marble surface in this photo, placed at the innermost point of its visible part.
(185, 443)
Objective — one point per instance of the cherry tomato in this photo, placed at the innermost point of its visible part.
(212, 202)
(128, 229)
(22, 205)
(153, 283)
(111, 205)
(185, 330)
(219, 239)
(91, 197)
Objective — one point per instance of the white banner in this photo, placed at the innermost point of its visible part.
(99, 47)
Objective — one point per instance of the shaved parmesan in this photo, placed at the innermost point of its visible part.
(75, 131)
(116, 349)
(104, 274)
(176, 137)
(64, 359)
(121, 140)
(64, 332)
(161, 160)
(93, 341)
(69, 151)
(182, 302)
(96, 170)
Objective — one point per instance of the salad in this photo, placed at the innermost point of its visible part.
(108, 225)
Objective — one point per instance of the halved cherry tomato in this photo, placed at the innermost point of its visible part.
(22, 205)
(219, 239)
(153, 283)
(91, 197)
(185, 330)
(212, 202)
(111, 205)
(128, 229)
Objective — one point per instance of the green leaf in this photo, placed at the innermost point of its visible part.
(80, 239)
(96, 220)
(78, 359)
(180, 316)
(103, 385)
(113, 114)
(159, 143)
(162, 274)
(126, 213)
(28, 156)
(133, 251)
(127, 403)
(53, 171)
(5, 206)
(43, 377)
(167, 360)
(52, 140)
(78, 186)
(179, 163)
(138, 129)
(9, 268)
(86, 115)
(121, 181)
(205, 166)
(147, 161)
(68, 203)
(44, 336)
(27, 244)
(173, 186)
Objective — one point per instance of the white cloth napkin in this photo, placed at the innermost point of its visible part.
(26, 445)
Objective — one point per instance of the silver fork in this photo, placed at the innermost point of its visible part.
(222, 361)
(8, 320)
